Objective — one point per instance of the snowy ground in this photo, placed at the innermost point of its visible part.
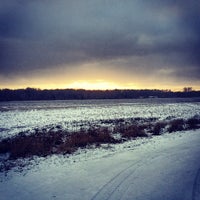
(163, 167)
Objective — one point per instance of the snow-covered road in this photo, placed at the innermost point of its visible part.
(166, 174)
(164, 167)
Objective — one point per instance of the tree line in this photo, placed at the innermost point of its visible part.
(70, 94)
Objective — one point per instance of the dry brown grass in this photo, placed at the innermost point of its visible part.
(23, 145)
(133, 131)
(193, 123)
(158, 127)
(43, 142)
(176, 125)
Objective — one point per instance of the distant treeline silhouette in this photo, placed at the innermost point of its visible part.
(67, 94)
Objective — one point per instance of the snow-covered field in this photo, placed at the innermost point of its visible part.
(27, 116)
(153, 168)
(165, 167)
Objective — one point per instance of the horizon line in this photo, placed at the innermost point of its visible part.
(122, 89)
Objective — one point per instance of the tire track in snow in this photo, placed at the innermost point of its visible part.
(111, 186)
(116, 183)
(120, 182)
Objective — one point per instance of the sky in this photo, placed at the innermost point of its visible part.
(100, 44)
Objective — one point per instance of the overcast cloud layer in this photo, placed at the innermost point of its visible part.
(135, 35)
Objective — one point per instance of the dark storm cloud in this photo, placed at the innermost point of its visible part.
(188, 21)
(44, 34)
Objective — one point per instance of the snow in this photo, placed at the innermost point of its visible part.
(162, 167)
(158, 167)
(16, 117)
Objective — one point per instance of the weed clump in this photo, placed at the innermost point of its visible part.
(193, 123)
(133, 131)
(158, 128)
(176, 125)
